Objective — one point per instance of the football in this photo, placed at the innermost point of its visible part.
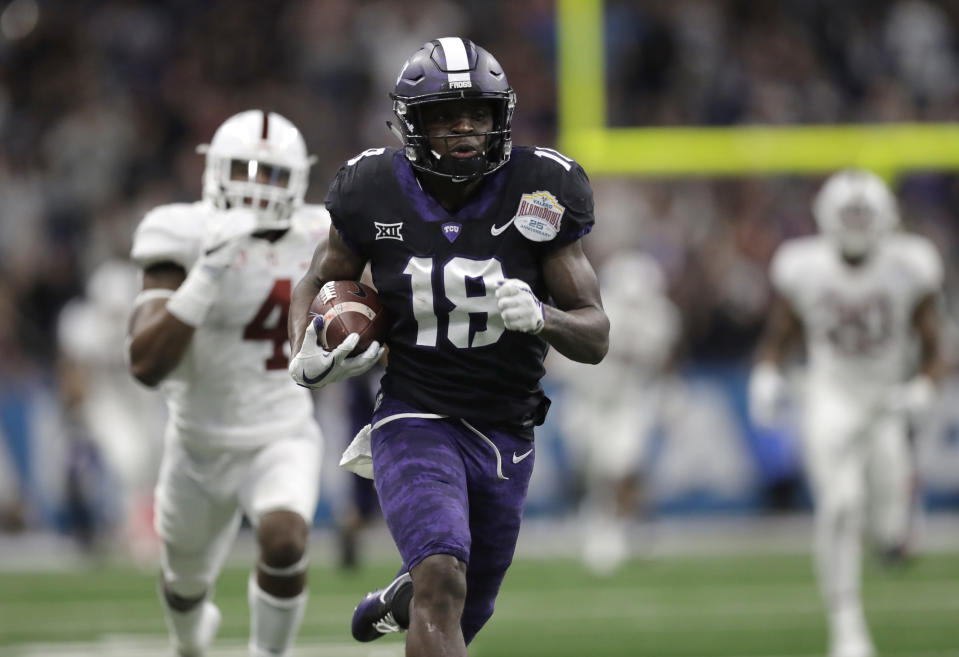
(349, 307)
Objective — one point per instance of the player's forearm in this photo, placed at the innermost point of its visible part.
(300, 300)
(927, 322)
(770, 355)
(581, 335)
(782, 331)
(158, 341)
(773, 345)
(932, 365)
(332, 261)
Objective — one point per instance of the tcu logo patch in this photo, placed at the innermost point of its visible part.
(451, 230)
(388, 231)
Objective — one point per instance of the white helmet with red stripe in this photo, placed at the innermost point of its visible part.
(855, 209)
(258, 160)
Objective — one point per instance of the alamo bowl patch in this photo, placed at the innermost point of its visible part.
(538, 216)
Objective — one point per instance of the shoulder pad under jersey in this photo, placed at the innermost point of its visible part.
(566, 181)
(362, 184)
(792, 259)
(357, 180)
(170, 233)
(921, 257)
(313, 220)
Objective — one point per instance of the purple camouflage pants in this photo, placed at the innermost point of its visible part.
(447, 488)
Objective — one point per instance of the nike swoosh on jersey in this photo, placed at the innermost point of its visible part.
(517, 459)
(217, 247)
(496, 230)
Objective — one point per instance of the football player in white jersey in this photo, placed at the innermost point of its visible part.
(611, 410)
(209, 329)
(864, 296)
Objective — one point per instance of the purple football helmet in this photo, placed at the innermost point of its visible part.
(446, 69)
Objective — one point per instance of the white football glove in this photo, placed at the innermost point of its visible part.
(767, 392)
(520, 309)
(223, 235)
(314, 367)
(914, 397)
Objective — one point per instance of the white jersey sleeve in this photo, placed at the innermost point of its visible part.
(169, 233)
(789, 264)
(920, 260)
(314, 221)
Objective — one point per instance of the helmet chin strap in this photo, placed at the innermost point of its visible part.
(276, 218)
(858, 248)
(460, 169)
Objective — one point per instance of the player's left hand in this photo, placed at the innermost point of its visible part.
(520, 309)
(315, 367)
(766, 392)
(223, 234)
(913, 397)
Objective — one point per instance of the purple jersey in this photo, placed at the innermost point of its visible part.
(437, 271)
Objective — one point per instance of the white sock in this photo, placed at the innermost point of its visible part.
(838, 557)
(849, 636)
(191, 631)
(274, 622)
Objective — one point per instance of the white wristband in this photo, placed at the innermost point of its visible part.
(192, 300)
(920, 393)
(152, 294)
(767, 371)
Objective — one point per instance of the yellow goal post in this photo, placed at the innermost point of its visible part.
(886, 148)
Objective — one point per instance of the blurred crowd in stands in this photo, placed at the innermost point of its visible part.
(102, 105)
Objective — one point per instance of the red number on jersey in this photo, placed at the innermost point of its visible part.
(860, 327)
(270, 324)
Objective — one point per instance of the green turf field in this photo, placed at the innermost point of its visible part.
(729, 606)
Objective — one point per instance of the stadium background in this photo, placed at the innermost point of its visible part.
(102, 105)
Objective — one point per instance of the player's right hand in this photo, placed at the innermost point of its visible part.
(767, 392)
(223, 235)
(314, 367)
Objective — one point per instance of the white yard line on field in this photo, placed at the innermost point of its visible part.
(124, 646)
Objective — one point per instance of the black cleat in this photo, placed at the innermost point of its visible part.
(899, 556)
(384, 611)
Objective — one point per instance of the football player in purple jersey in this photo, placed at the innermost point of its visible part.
(475, 248)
